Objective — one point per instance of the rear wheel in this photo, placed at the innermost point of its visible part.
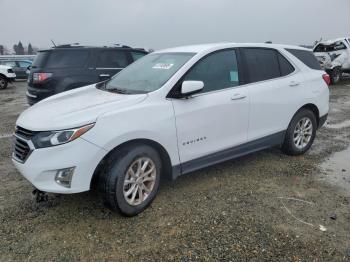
(3, 82)
(132, 178)
(301, 133)
(336, 75)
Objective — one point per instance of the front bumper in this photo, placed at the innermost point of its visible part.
(41, 166)
(11, 77)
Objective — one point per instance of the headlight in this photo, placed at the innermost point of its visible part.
(54, 138)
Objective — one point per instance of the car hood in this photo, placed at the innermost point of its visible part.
(74, 108)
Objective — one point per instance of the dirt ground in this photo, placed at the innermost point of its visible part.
(262, 207)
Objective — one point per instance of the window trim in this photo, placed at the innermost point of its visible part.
(174, 94)
(244, 63)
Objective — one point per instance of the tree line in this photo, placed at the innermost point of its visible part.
(18, 49)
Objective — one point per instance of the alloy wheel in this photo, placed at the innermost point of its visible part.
(302, 133)
(139, 181)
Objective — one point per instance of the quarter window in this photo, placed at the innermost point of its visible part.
(217, 71)
(262, 64)
(307, 57)
(112, 59)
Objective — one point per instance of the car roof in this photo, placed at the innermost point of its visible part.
(72, 47)
(217, 46)
(332, 41)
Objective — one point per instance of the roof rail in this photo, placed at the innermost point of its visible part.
(67, 45)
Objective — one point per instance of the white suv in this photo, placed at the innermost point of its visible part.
(6, 76)
(170, 113)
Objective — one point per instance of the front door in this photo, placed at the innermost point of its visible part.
(216, 118)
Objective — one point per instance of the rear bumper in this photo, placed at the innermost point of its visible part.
(34, 95)
(11, 78)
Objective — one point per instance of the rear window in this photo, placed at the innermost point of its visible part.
(67, 58)
(307, 57)
(39, 59)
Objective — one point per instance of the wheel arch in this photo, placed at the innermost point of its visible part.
(164, 155)
(313, 108)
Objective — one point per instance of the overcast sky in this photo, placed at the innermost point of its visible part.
(165, 23)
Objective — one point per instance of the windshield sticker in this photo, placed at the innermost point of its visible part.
(163, 66)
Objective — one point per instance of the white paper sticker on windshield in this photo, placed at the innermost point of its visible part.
(163, 66)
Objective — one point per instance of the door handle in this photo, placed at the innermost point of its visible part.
(104, 75)
(294, 83)
(238, 97)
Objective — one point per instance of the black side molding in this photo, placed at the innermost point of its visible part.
(228, 154)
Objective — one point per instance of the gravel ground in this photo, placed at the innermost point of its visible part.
(245, 209)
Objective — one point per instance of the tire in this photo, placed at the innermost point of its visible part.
(3, 82)
(122, 175)
(300, 135)
(336, 75)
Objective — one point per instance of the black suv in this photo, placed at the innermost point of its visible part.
(67, 67)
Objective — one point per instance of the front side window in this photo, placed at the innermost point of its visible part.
(261, 64)
(137, 55)
(217, 71)
(112, 59)
(149, 73)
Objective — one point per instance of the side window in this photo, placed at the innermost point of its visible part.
(67, 58)
(24, 64)
(285, 67)
(307, 57)
(262, 64)
(217, 71)
(112, 59)
(136, 55)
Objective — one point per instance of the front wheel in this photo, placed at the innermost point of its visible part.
(3, 82)
(301, 133)
(132, 179)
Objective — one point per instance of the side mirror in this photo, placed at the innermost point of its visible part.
(190, 87)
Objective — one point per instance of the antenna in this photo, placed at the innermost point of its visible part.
(53, 43)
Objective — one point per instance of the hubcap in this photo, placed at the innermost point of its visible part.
(302, 133)
(139, 181)
(2, 83)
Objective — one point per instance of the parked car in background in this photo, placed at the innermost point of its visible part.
(67, 67)
(170, 113)
(334, 57)
(20, 67)
(6, 76)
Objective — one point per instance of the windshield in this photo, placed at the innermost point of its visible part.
(322, 48)
(148, 73)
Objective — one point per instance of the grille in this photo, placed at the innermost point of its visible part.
(21, 149)
(24, 133)
(21, 146)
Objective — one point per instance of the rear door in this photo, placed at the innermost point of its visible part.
(275, 90)
(111, 61)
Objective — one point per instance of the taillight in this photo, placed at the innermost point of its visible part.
(40, 77)
(327, 79)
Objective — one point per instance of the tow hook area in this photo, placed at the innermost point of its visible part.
(40, 196)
